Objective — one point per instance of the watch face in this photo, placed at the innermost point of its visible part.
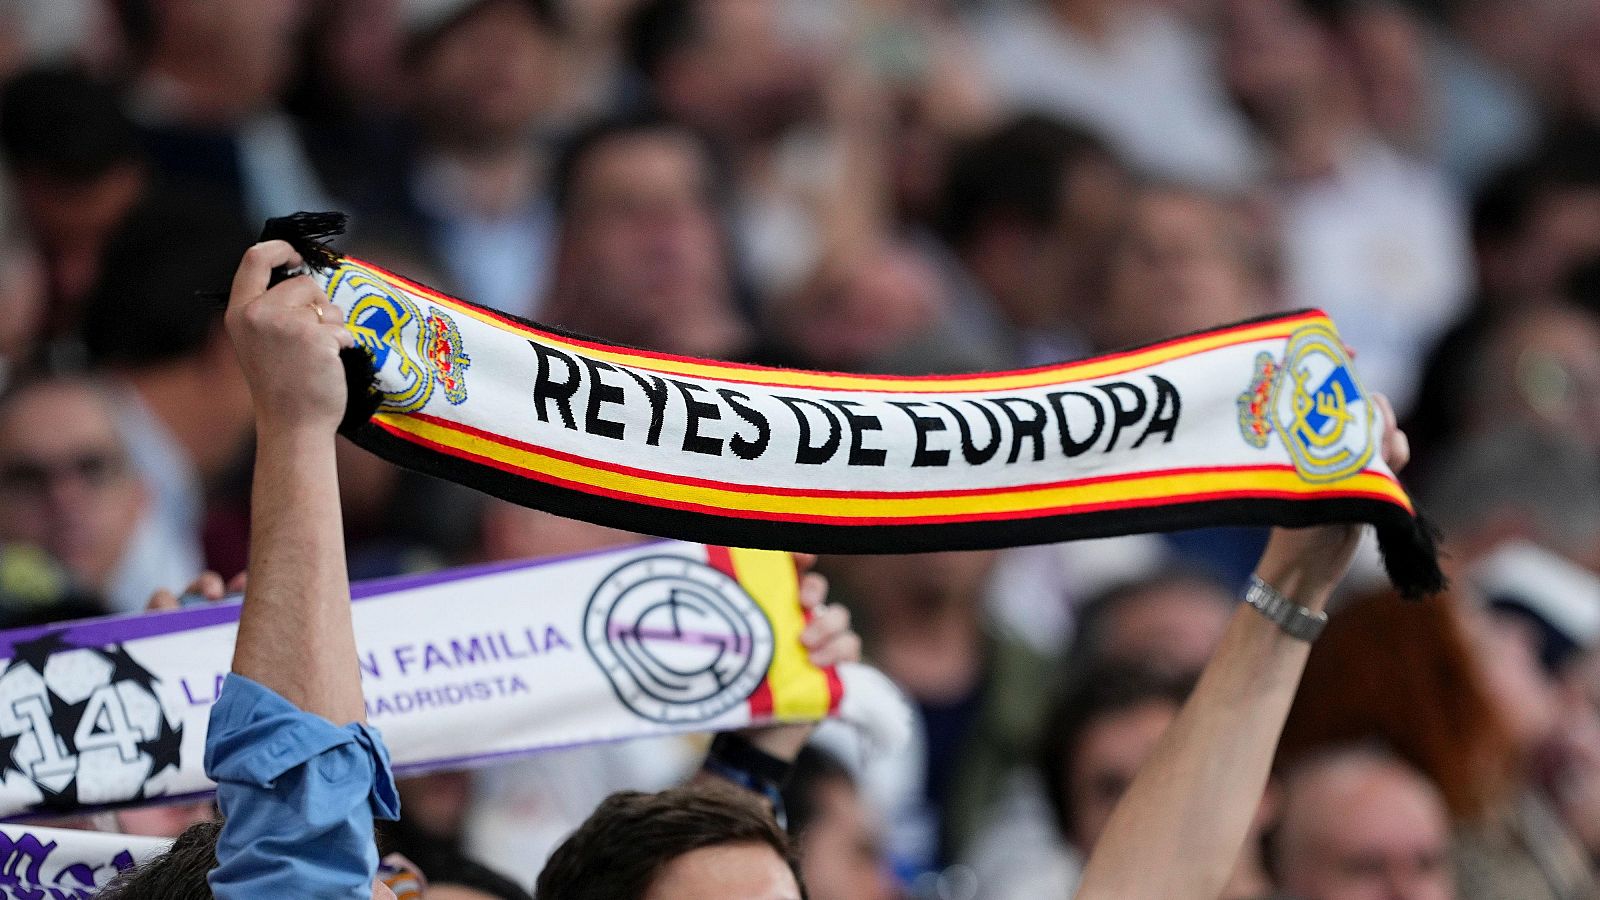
(679, 640)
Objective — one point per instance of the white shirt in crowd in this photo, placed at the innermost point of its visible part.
(1380, 245)
(1149, 86)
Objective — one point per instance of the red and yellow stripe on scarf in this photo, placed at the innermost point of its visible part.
(1263, 422)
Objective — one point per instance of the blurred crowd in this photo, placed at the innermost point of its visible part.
(907, 186)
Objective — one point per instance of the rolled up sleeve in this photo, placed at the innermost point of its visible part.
(298, 794)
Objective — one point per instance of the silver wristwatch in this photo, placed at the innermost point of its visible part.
(1295, 620)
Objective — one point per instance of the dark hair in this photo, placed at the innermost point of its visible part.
(62, 123)
(1016, 170)
(656, 30)
(144, 310)
(1094, 694)
(813, 768)
(1089, 635)
(618, 852)
(596, 134)
(178, 874)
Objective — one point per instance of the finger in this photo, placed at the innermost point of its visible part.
(208, 585)
(846, 648)
(342, 336)
(297, 293)
(237, 583)
(162, 599)
(255, 269)
(813, 590)
(804, 561)
(828, 623)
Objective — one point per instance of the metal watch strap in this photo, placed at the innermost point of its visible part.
(1295, 620)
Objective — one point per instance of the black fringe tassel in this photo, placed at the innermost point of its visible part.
(308, 234)
(1410, 550)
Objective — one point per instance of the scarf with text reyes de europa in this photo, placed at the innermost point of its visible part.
(1260, 423)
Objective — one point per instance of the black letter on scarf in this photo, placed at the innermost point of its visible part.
(805, 454)
(742, 448)
(924, 425)
(1020, 428)
(656, 390)
(1069, 446)
(600, 392)
(1160, 421)
(1123, 416)
(859, 455)
(974, 455)
(559, 391)
(694, 411)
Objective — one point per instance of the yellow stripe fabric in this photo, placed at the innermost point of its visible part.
(799, 689)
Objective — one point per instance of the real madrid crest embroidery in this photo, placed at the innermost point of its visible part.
(679, 640)
(1313, 402)
(413, 354)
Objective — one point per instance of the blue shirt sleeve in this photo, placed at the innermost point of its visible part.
(298, 794)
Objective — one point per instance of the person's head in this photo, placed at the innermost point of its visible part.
(701, 842)
(905, 592)
(644, 256)
(180, 873)
(861, 307)
(1169, 622)
(1536, 220)
(1358, 823)
(507, 531)
(1184, 261)
(1278, 58)
(66, 484)
(1538, 368)
(76, 166)
(727, 66)
(1407, 674)
(837, 836)
(1485, 491)
(483, 72)
(143, 320)
(1100, 731)
(239, 52)
(1031, 207)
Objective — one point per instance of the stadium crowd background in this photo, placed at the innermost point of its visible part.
(887, 186)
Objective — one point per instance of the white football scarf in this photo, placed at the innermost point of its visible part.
(1260, 423)
(460, 668)
(38, 863)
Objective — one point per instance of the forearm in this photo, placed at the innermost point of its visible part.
(1179, 829)
(295, 633)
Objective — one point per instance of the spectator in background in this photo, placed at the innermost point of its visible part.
(1168, 623)
(835, 832)
(78, 172)
(738, 71)
(643, 256)
(205, 92)
(705, 841)
(68, 486)
(1359, 823)
(1369, 236)
(181, 401)
(1466, 710)
(483, 77)
(1133, 71)
(976, 690)
(1030, 210)
(1184, 261)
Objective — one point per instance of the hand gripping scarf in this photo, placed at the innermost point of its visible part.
(1260, 423)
